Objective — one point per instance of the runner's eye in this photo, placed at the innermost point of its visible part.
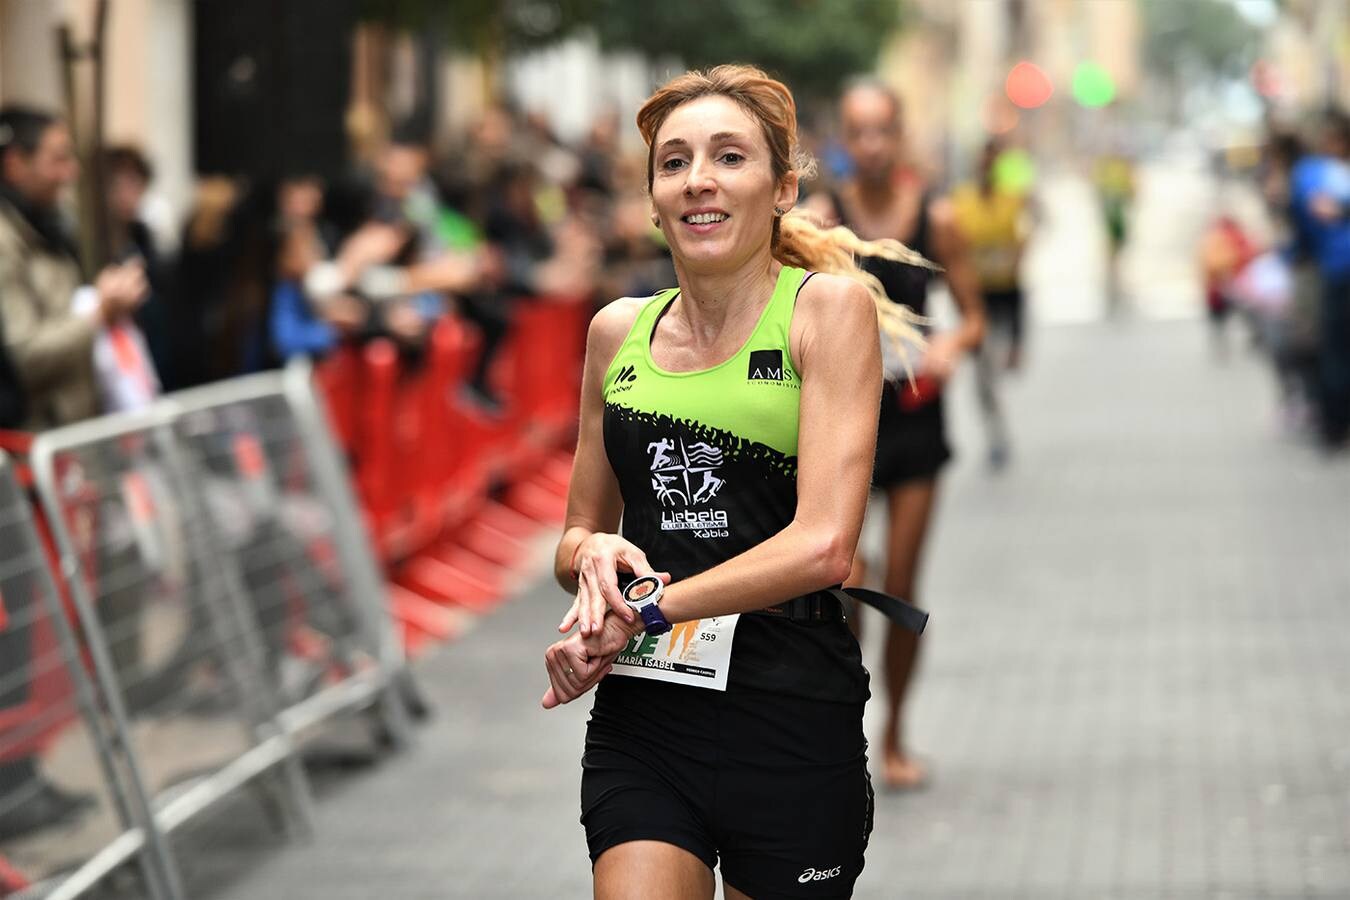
(672, 164)
(732, 158)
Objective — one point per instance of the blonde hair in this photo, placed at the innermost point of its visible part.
(797, 240)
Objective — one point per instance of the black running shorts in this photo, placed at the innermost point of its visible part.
(774, 788)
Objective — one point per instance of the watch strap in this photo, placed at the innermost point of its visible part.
(654, 619)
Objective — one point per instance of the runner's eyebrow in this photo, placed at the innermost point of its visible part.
(717, 138)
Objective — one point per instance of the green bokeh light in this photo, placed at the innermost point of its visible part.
(1093, 86)
(1014, 171)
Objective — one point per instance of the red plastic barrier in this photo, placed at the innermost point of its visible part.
(11, 880)
(340, 381)
(375, 452)
(456, 475)
(546, 351)
(426, 461)
(29, 728)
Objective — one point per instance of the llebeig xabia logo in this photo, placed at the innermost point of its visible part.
(685, 475)
(624, 380)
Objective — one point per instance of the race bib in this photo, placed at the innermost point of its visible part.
(696, 653)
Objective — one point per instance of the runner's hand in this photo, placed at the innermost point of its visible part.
(611, 637)
(599, 558)
(940, 357)
(572, 670)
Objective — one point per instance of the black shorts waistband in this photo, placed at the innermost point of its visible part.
(818, 607)
(830, 606)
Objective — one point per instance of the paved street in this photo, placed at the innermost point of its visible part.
(1137, 682)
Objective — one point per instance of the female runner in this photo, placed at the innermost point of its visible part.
(731, 421)
(883, 199)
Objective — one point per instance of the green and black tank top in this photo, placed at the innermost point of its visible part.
(707, 465)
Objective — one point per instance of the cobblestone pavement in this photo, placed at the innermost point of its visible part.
(1137, 680)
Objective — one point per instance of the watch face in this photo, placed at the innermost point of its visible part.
(642, 590)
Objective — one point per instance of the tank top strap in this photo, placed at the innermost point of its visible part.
(632, 352)
(775, 326)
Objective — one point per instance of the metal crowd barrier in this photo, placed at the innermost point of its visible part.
(60, 758)
(275, 487)
(228, 599)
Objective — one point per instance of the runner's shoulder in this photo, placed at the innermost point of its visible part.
(611, 324)
(831, 312)
(825, 296)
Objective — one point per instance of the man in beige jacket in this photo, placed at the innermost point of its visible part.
(49, 342)
(51, 347)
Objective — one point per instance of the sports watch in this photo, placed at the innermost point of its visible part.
(643, 596)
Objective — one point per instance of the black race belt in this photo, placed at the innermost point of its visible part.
(830, 606)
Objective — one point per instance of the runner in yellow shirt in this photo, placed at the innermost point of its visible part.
(994, 222)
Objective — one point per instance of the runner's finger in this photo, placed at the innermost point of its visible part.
(590, 601)
(597, 595)
(573, 615)
(611, 597)
(574, 665)
(563, 684)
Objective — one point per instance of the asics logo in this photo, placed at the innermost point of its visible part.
(818, 874)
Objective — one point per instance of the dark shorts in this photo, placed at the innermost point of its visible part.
(911, 444)
(1004, 309)
(774, 788)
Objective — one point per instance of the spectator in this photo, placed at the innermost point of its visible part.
(51, 344)
(52, 348)
(127, 176)
(309, 321)
(1320, 202)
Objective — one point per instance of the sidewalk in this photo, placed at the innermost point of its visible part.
(1137, 681)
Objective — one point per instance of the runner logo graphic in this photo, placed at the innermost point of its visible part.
(624, 380)
(686, 475)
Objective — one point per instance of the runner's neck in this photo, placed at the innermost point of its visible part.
(707, 302)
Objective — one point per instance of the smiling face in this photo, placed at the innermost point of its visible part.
(713, 184)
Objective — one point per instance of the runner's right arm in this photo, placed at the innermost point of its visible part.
(594, 503)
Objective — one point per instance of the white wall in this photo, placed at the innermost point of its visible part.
(29, 72)
(574, 81)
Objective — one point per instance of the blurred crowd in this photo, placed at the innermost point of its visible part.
(263, 271)
(1290, 281)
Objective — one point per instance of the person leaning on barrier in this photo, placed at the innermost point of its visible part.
(52, 350)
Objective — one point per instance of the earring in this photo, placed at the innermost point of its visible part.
(779, 211)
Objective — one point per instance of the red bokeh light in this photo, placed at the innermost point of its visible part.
(1028, 86)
